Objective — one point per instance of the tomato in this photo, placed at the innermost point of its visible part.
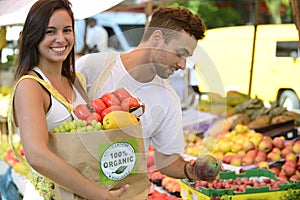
(98, 105)
(93, 116)
(121, 94)
(109, 109)
(110, 99)
(130, 103)
(82, 111)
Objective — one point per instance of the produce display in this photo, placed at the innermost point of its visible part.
(247, 149)
(253, 184)
(4, 99)
(268, 166)
(255, 115)
(7, 155)
(241, 109)
(239, 184)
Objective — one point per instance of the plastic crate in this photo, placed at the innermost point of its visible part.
(261, 193)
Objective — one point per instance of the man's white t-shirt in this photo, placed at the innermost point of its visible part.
(162, 120)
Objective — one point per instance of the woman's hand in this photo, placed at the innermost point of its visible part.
(118, 192)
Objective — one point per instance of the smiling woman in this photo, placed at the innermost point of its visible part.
(45, 88)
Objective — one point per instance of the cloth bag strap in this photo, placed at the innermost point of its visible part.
(10, 117)
(80, 85)
(103, 75)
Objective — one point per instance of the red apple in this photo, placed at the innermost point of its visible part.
(275, 170)
(261, 156)
(278, 142)
(286, 150)
(266, 144)
(288, 169)
(290, 156)
(296, 147)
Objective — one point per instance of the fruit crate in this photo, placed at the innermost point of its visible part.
(262, 193)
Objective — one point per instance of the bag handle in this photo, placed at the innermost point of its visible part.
(102, 76)
(80, 84)
(50, 88)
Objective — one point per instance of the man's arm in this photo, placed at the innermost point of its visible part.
(173, 166)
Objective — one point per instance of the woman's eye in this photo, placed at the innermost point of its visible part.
(68, 30)
(50, 32)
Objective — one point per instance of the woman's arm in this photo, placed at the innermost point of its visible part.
(30, 106)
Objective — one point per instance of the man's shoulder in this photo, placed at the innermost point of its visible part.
(91, 61)
(91, 56)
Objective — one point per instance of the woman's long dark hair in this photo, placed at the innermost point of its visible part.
(34, 31)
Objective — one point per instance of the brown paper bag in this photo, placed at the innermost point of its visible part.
(111, 158)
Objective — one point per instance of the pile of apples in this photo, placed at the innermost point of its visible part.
(98, 108)
(243, 147)
(289, 171)
(193, 144)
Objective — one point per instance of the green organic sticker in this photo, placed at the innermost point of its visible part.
(117, 160)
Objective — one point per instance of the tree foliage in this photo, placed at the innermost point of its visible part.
(212, 15)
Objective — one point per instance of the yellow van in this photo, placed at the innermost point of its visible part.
(225, 56)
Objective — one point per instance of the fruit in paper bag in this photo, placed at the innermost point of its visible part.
(110, 99)
(83, 111)
(207, 168)
(121, 94)
(130, 103)
(98, 105)
(118, 119)
(94, 116)
(109, 109)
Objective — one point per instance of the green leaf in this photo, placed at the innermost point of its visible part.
(120, 170)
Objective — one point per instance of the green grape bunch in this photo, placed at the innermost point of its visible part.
(77, 125)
